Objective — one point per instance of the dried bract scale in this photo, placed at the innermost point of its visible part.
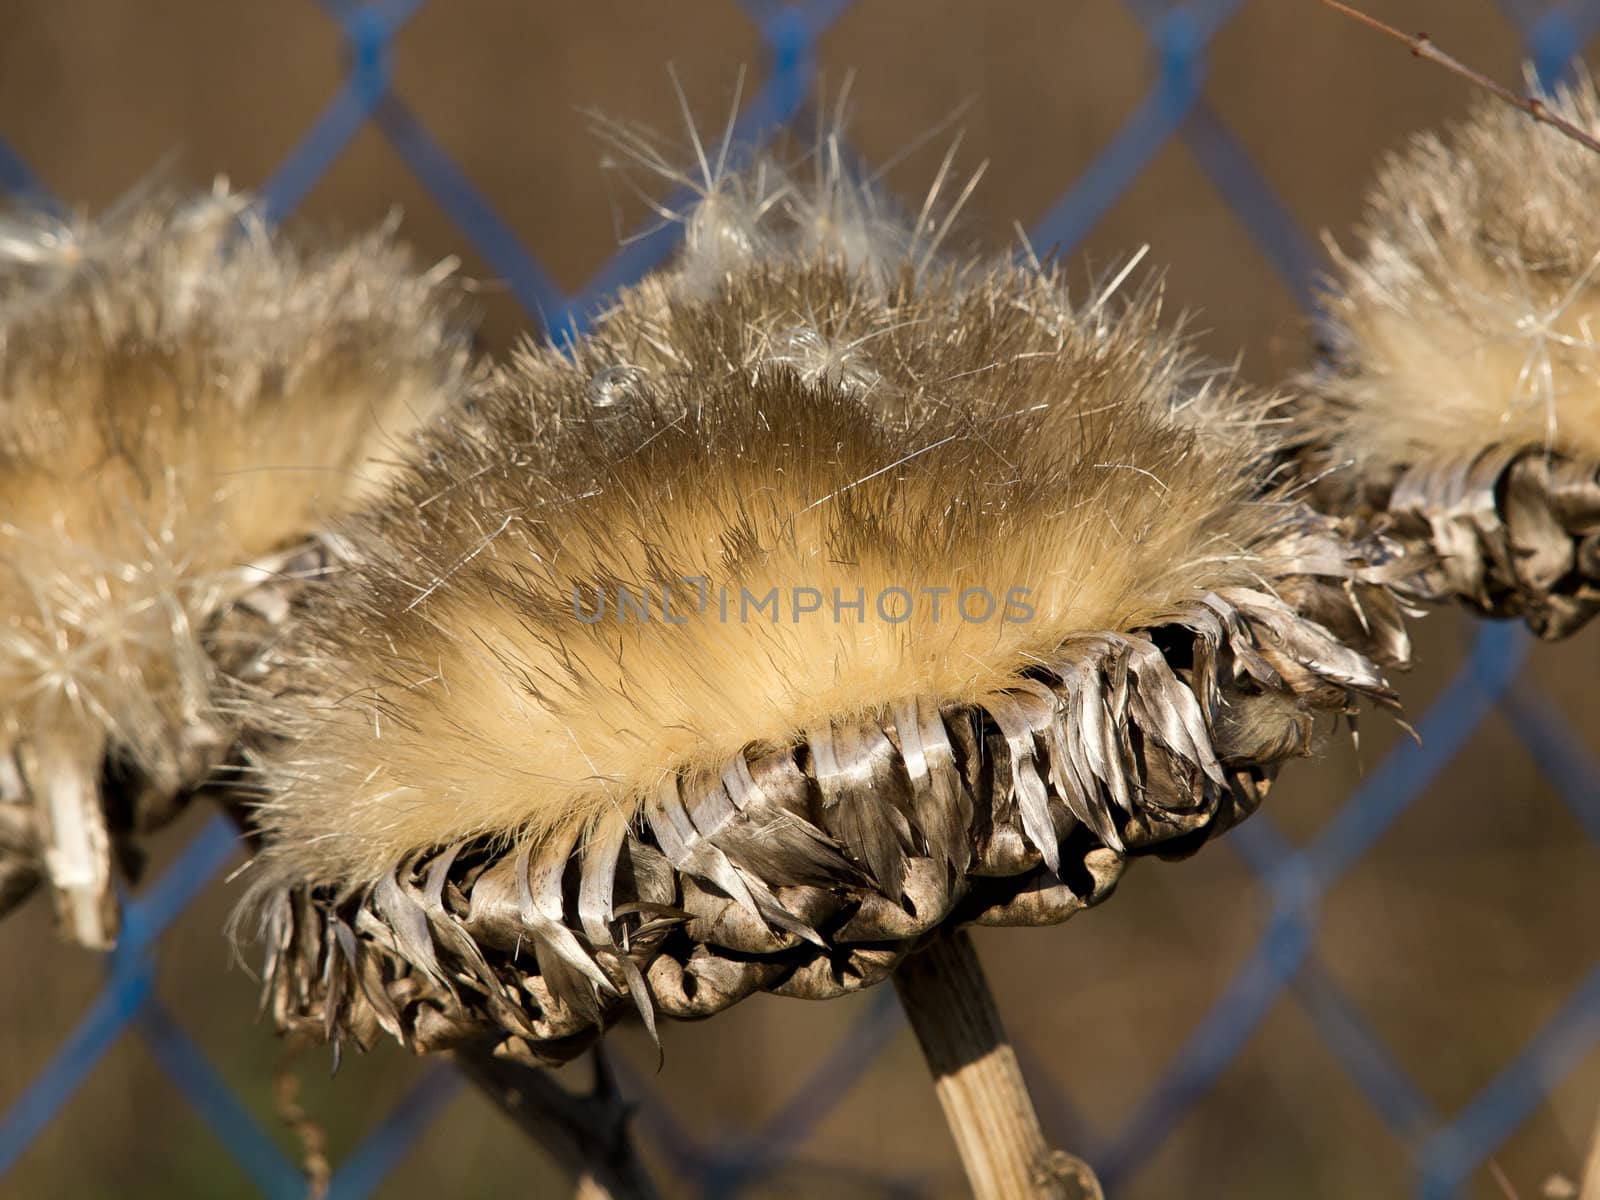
(186, 399)
(708, 656)
(1461, 395)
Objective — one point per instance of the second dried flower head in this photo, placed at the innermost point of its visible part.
(1461, 396)
(186, 400)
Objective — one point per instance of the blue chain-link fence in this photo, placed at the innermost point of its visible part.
(1444, 1148)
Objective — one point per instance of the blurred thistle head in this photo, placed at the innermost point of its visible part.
(832, 590)
(1462, 387)
(186, 398)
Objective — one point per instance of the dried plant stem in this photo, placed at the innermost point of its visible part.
(1591, 1169)
(587, 1134)
(978, 1081)
(1423, 47)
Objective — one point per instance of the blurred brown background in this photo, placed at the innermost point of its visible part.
(1458, 936)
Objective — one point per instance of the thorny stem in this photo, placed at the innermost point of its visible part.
(978, 1081)
(587, 1134)
(1423, 47)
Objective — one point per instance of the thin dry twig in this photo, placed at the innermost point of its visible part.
(1503, 1181)
(312, 1137)
(1423, 47)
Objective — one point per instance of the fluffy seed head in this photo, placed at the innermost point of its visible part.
(185, 396)
(1466, 318)
(830, 591)
(737, 447)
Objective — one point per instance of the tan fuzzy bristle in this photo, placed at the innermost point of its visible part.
(1466, 315)
(185, 397)
(807, 428)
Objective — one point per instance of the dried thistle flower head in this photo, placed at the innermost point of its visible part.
(185, 398)
(819, 598)
(1463, 391)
